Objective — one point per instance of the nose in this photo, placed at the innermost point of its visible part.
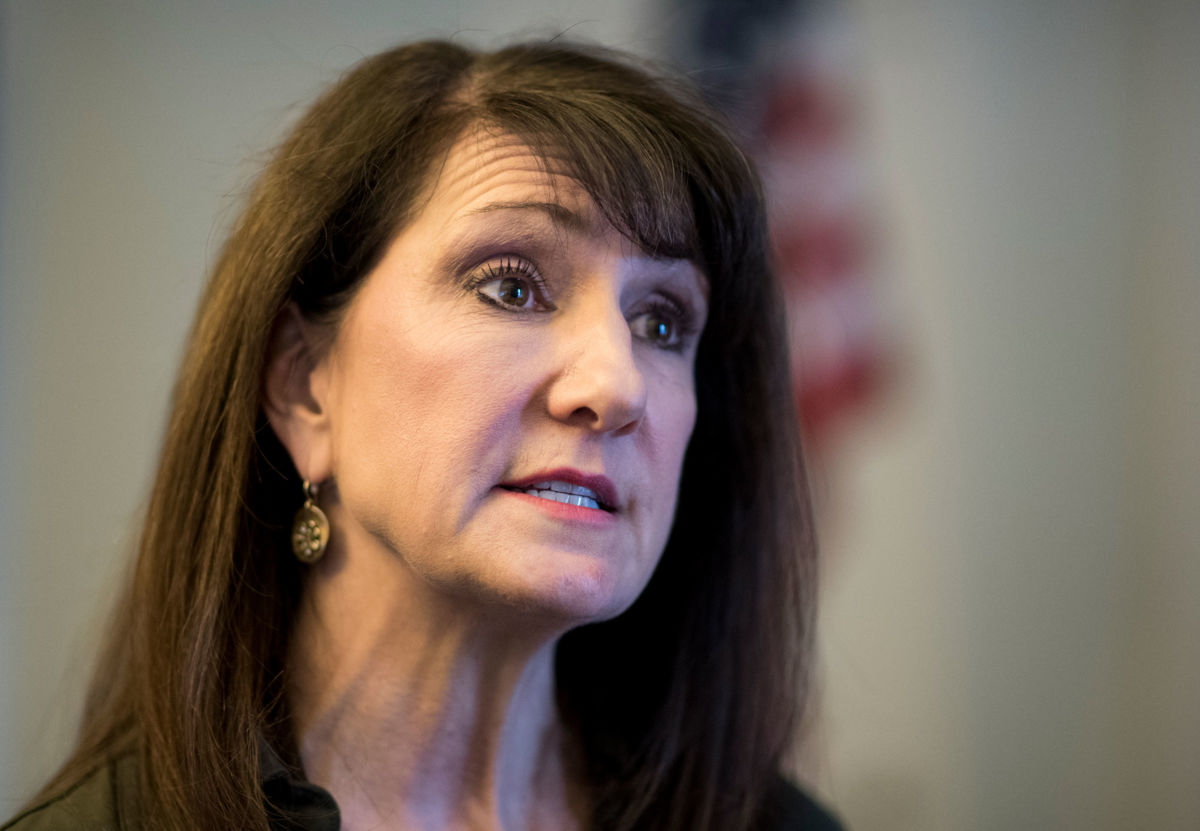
(599, 386)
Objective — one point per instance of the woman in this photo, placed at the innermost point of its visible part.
(495, 352)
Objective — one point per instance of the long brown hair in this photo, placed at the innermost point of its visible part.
(682, 706)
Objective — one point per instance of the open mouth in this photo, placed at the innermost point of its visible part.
(563, 492)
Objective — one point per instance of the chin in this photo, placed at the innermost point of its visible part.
(583, 589)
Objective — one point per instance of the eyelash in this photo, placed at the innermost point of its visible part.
(665, 306)
(677, 313)
(506, 267)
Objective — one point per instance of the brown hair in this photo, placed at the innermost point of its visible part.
(683, 705)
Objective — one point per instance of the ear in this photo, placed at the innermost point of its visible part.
(295, 391)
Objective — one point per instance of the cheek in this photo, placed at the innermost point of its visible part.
(675, 418)
(421, 416)
(408, 383)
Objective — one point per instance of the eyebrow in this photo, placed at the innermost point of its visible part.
(564, 218)
(561, 216)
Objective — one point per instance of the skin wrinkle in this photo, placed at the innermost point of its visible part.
(553, 165)
(570, 220)
(423, 655)
(669, 727)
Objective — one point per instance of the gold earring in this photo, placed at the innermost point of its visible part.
(310, 528)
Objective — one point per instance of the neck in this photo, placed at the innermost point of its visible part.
(420, 711)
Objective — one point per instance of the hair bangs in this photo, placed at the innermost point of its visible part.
(666, 177)
(637, 185)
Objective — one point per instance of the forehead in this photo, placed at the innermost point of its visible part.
(493, 179)
(488, 168)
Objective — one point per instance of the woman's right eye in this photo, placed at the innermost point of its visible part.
(514, 284)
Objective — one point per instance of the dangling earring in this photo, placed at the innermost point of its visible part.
(310, 528)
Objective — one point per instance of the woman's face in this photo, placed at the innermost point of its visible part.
(511, 338)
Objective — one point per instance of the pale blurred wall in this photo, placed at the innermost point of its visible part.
(1013, 576)
(1012, 617)
(1161, 730)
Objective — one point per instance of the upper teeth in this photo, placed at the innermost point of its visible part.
(564, 492)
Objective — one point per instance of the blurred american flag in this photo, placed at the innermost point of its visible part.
(785, 72)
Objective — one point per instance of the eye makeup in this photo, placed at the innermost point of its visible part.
(511, 283)
(521, 261)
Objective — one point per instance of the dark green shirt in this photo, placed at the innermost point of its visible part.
(92, 805)
(100, 803)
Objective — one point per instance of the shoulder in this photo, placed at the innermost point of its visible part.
(89, 805)
(787, 808)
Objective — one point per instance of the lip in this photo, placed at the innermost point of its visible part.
(599, 483)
